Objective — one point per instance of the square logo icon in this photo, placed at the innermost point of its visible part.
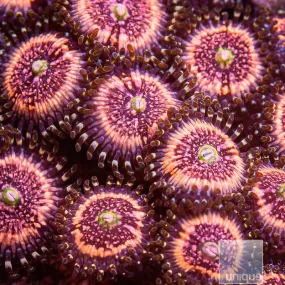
(241, 261)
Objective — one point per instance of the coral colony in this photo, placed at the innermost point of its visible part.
(135, 135)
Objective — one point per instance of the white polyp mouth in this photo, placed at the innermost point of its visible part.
(39, 66)
(210, 250)
(138, 104)
(120, 11)
(208, 154)
(108, 218)
(10, 196)
(225, 55)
